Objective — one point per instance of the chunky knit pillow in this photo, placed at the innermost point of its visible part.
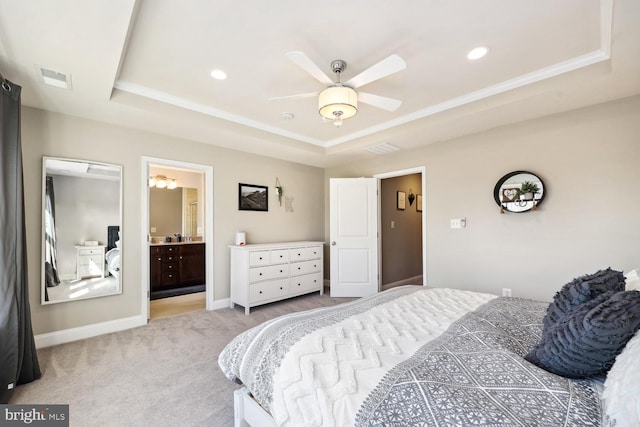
(586, 342)
(581, 290)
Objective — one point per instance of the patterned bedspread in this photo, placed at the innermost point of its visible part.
(408, 356)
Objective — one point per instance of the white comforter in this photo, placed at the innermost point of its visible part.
(325, 375)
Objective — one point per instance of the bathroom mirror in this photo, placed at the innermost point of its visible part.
(173, 211)
(519, 191)
(81, 229)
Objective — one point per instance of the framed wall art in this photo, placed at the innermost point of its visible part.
(401, 200)
(253, 197)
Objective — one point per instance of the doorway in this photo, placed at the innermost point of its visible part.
(354, 232)
(193, 224)
(403, 235)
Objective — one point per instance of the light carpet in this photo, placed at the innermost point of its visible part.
(162, 374)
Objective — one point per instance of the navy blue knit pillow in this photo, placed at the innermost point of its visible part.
(585, 343)
(581, 290)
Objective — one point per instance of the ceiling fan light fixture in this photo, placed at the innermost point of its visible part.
(338, 103)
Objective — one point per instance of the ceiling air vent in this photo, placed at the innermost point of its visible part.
(53, 78)
(384, 148)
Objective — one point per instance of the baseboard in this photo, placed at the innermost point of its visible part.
(415, 280)
(82, 332)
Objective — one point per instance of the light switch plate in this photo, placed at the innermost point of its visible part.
(458, 223)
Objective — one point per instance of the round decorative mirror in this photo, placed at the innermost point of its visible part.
(519, 191)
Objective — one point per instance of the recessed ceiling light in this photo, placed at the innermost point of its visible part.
(477, 53)
(218, 74)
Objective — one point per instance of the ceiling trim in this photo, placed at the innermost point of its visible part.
(177, 101)
(524, 80)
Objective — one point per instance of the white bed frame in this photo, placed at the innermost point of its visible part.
(247, 412)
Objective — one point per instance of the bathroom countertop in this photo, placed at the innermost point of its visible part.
(173, 243)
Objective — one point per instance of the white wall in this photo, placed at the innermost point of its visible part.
(45, 133)
(589, 161)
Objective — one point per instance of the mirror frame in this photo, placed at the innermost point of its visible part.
(526, 205)
(43, 285)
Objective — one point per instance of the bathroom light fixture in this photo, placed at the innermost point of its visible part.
(161, 181)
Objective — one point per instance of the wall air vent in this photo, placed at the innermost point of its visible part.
(384, 148)
(53, 78)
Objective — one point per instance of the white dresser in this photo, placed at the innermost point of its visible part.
(265, 273)
(90, 261)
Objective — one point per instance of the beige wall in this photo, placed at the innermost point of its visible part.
(50, 134)
(401, 245)
(589, 161)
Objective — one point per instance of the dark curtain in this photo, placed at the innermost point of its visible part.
(50, 240)
(18, 358)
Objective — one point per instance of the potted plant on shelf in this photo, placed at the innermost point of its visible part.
(528, 189)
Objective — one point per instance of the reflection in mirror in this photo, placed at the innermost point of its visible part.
(519, 191)
(173, 212)
(81, 229)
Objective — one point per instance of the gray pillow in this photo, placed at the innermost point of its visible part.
(581, 290)
(586, 342)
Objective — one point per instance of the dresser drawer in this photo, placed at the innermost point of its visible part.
(307, 283)
(257, 258)
(269, 272)
(274, 289)
(85, 260)
(279, 256)
(305, 267)
(88, 252)
(300, 254)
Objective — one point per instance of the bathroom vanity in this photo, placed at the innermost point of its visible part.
(176, 265)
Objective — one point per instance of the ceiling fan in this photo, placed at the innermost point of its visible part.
(339, 101)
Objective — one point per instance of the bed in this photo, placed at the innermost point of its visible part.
(112, 256)
(411, 356)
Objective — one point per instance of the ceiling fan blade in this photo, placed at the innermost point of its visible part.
(390, 65)
(300, 95)
(382, 102)
(303, 61)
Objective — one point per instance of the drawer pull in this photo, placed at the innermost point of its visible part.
(171, 275)
(299, 268)
(181, 257)
(298, 284)
(259, 274)
(280, 287)
(171, 266)
(261, 258)
(280, 271)
(260, 291)
(280, 256)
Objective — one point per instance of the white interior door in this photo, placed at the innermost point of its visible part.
(353, 232)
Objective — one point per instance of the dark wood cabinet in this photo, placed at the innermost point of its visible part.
(176, 265)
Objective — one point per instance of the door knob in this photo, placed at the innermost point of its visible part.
(333, 243)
